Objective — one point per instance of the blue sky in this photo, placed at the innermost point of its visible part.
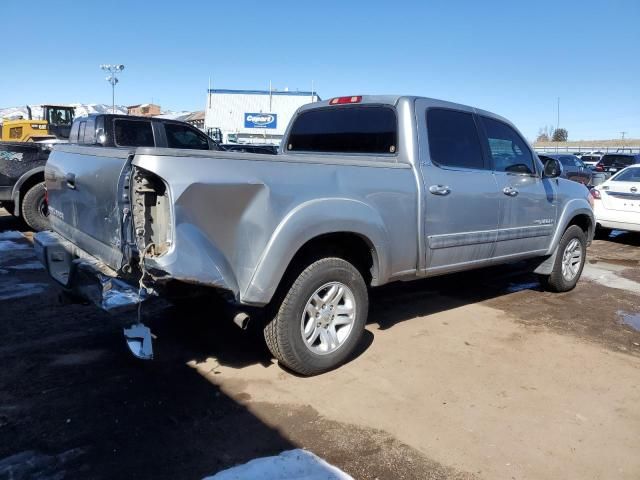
(511, 57)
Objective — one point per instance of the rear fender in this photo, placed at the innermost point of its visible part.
(24, 178)
(306, 222)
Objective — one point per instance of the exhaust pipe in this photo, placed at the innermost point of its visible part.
(29, 112)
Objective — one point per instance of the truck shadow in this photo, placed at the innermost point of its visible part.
(399, 302)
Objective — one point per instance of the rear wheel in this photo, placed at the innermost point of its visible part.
(321, 320)
(34, 208)
(569, 262)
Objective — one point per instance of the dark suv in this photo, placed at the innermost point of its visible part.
(611, 163)
(110, 130)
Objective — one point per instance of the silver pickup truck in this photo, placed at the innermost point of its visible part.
(366, 190)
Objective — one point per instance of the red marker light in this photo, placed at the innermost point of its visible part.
(343, 100)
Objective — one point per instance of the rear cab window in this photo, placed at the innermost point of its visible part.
(133, 133)
(362, 129)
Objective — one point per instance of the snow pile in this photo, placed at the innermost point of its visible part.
(82, 110)
(294, 464)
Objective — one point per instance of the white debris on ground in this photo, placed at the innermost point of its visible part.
(17, 254)
(295, 464)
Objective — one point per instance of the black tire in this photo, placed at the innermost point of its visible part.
(34, 209)
(283, 333)
(556, 281)
(602, 233)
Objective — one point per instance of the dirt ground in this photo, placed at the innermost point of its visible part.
(480, 375)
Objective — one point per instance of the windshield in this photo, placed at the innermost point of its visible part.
(59, 116)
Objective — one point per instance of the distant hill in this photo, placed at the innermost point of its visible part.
(627, 142)
(82, 109)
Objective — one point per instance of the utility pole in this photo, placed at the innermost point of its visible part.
(113, 80)
(623, 134)
(558, 125)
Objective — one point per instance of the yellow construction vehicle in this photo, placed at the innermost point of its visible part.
(55, 123)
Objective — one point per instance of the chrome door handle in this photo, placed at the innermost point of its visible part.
(634, 189)
(439, 189)
(71, 180)
(510, 191)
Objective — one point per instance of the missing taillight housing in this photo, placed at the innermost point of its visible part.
(151, 213)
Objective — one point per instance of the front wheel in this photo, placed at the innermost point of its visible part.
(322, 318)
(569, 262)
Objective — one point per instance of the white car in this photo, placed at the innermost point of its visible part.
(617, 201)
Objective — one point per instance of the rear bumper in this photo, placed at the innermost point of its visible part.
(83, 275)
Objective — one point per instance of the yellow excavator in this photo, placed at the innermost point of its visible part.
(55, 123)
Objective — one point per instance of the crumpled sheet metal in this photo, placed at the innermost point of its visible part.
(106, 292)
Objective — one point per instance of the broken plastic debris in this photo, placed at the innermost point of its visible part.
(139, 341)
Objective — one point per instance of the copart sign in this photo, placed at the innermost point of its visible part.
(260, 120)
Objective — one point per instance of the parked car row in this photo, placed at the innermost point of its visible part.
(617, 201)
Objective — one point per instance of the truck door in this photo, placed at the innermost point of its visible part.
(528, 201)
(461, 201)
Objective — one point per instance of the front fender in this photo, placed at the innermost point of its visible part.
(572, 208)
(306, 222)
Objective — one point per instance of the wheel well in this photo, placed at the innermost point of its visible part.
(24, 188)
(584, 222)
(351, 247)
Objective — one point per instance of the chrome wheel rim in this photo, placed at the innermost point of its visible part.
(328, 318)
(571, 259)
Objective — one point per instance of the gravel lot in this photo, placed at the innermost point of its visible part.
(480, 375)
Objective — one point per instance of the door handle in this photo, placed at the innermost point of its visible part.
(71, 180)
(439, 189)
(510, 191)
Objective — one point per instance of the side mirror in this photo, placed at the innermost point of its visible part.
(552, 168)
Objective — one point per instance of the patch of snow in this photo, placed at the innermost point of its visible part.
(295, 464)
(10, 245)
(35, 265)
(605, 275)
(10, 289)
(11, 235)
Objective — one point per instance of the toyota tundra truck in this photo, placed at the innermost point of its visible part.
(366, 190)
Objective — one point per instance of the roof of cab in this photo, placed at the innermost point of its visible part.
(394, 100)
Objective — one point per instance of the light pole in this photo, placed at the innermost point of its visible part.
(113, 80)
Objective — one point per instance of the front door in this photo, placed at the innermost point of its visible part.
(461, 201)
(528, 201)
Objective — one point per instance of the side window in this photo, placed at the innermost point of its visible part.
(83, 126)
(569, 161)
(133, 133)
(89, 135)
(508, 150)
(73, 135)
(183, 136)
(453, 139)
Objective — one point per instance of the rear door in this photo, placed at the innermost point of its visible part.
(462, 203)
(622, 191)
(527, 201)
